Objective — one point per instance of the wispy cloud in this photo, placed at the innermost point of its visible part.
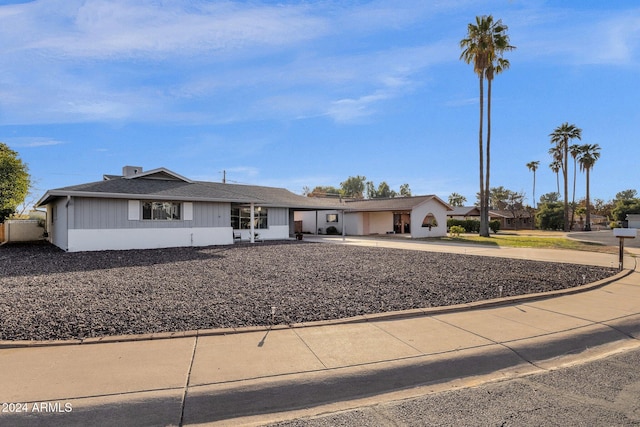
(31, 142)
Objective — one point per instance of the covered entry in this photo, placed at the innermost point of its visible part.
(402, 222)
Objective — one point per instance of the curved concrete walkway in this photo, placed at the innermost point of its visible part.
(249, 377)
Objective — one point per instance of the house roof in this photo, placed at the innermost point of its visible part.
(166, 185)
(464, 211)
(163, 184)
(392, 204)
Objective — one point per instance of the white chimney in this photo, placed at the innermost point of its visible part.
(131, 170)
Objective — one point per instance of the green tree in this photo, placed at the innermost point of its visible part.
(589, 154)
(456, 199)
(14, 181)
(484, 46)
(322, 191)
(353, 187)
(549, 198)
(550, 216)
(533, 167)
(561, 137)
(405, 191)
(626, 195)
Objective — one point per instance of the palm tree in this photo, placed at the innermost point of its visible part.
(561, 137)
(555, 167)
(589, 154)
(457, 200)
(484, 45)
(533, 167)
(574, 150)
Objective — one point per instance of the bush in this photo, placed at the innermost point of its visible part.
(332, 230)
(456, 230)
(494, 226)
(469, 225)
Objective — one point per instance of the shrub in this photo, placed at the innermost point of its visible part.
(494, 226)
(469, 225)
(456, 230)
(332, 230)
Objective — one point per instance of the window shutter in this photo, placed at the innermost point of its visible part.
(187, 208)
(134, 210)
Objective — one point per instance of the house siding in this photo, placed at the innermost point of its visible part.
(102, 214)
(277, 216)
(57, 220)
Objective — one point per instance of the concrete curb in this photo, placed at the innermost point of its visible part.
(392, 315)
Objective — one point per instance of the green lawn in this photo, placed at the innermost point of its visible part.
(531, 242)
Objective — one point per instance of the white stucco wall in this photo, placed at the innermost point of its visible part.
(418, 214)
(311, 223)
(145, 238)
(380, 222)
(274, 232)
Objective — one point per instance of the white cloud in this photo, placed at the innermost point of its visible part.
(127, 28)
(32, 141)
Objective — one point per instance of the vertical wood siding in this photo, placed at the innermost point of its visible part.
(93, 213)
(278, 216)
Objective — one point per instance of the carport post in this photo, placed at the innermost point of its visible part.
(344, 225)
(251, 226)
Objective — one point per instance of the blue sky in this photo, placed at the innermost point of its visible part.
(305, 93)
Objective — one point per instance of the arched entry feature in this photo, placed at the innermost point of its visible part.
(429, 221)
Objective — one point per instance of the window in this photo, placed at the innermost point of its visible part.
(241, 218)
(332, 217)
(161, 211)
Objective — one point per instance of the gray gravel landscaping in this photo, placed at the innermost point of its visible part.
(49, 294)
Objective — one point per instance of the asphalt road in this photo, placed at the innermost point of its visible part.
(605, 237)
(604, 392)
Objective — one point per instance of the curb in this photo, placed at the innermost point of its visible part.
(392, 315)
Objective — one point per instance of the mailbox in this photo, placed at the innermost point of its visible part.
(629, 233)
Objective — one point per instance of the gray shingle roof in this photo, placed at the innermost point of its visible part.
(157, 186)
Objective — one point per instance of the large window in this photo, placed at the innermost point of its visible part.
(161, 210)
(241, 218)
(332, 217)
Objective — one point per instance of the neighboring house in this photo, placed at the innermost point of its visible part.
(159, 208)
(508, 220)
(633, 220)
(418, 216)
(464, 212)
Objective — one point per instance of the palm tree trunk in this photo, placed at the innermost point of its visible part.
(587, 226)
(573, 196)
(484, 230)
(534, 189)
(483, 195)
(565, 166)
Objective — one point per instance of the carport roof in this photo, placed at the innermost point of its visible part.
(392, 204)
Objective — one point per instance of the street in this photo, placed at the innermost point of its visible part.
(597, 393)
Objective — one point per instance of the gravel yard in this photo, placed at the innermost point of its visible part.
(49, 294)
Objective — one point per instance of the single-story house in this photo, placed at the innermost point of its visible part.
(418, 216)
(633, 220)
(508, 220)
(160, 208)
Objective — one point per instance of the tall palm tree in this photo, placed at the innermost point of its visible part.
(555, 167)
(533, 167)
(484, 45)
(589, 154)
(574, 150)
(561, 137)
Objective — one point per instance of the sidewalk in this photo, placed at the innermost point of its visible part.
(231, 378)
